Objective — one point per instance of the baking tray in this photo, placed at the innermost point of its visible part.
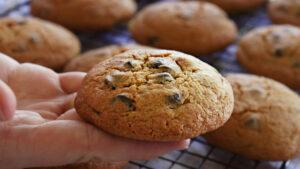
(200, 154)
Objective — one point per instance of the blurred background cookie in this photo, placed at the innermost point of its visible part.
(84, 14)
(233, 6)
(192, 26)
(274, 52)
(155, 95)
(37, 41)
(284, 11)
(89, 59)
(265, 121)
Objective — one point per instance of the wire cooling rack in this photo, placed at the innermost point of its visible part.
(200, 154)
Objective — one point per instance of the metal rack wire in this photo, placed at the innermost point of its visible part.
(200, 154)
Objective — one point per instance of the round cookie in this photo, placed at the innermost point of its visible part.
(90, 165)
(233, 6)
(274, 52)
(89, 59)
(284, 11)
(265, 123)
(37, 41)
(192, 26)
(84, 14)
(155, 95)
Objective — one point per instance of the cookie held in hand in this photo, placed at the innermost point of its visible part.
(265, 123)
(155, 95)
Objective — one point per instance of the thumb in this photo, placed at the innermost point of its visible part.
(7, 102)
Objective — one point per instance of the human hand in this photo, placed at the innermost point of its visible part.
(39, 126)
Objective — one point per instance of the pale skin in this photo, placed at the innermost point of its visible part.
(40, 127)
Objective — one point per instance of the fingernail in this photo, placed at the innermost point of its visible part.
(186, 144)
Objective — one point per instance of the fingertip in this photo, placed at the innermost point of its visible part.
(7, 102)
(184, 144)
(71, 81)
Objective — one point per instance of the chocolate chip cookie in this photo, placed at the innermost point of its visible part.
(89, 59)
(274, 52)
(191, 26)
(265, 123)
(284, 11)
(84, 14)
(155, 95)
(37, 41)
(233, 6)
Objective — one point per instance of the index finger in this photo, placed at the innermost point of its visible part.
(7, 64)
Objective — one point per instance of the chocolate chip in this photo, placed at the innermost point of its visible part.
(125, 99)
(155, 63)
(161, 77)
(152, 40)
(165, 65)
(131, 64)
(19, 48)
(252, 122)
(297, 13)
(95, 111)
(16, 21)
(278, 53)
(34, 38)
(116, 79)
(283, 8)
(174, 100)
(296, 64)
(109, 81)
(276, 37)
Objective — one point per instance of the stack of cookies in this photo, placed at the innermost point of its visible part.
(151, 91)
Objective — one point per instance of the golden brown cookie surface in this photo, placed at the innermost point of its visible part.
(37, 41)
(284, 11)
(89, 59)
(193, 27)
(273, 52)
(90, 165)
(155, 95)
(265, 123)
(84, 14)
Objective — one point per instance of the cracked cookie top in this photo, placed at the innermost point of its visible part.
(265, 121)
(155, 95)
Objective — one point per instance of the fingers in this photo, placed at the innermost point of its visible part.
(128, 149)
(7, 102)
(61, 142)
(70, 115)
(30, 81)
(6, 66)
(55, 106)
(70, 82)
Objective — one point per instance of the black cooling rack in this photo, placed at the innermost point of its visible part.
(200, 154)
